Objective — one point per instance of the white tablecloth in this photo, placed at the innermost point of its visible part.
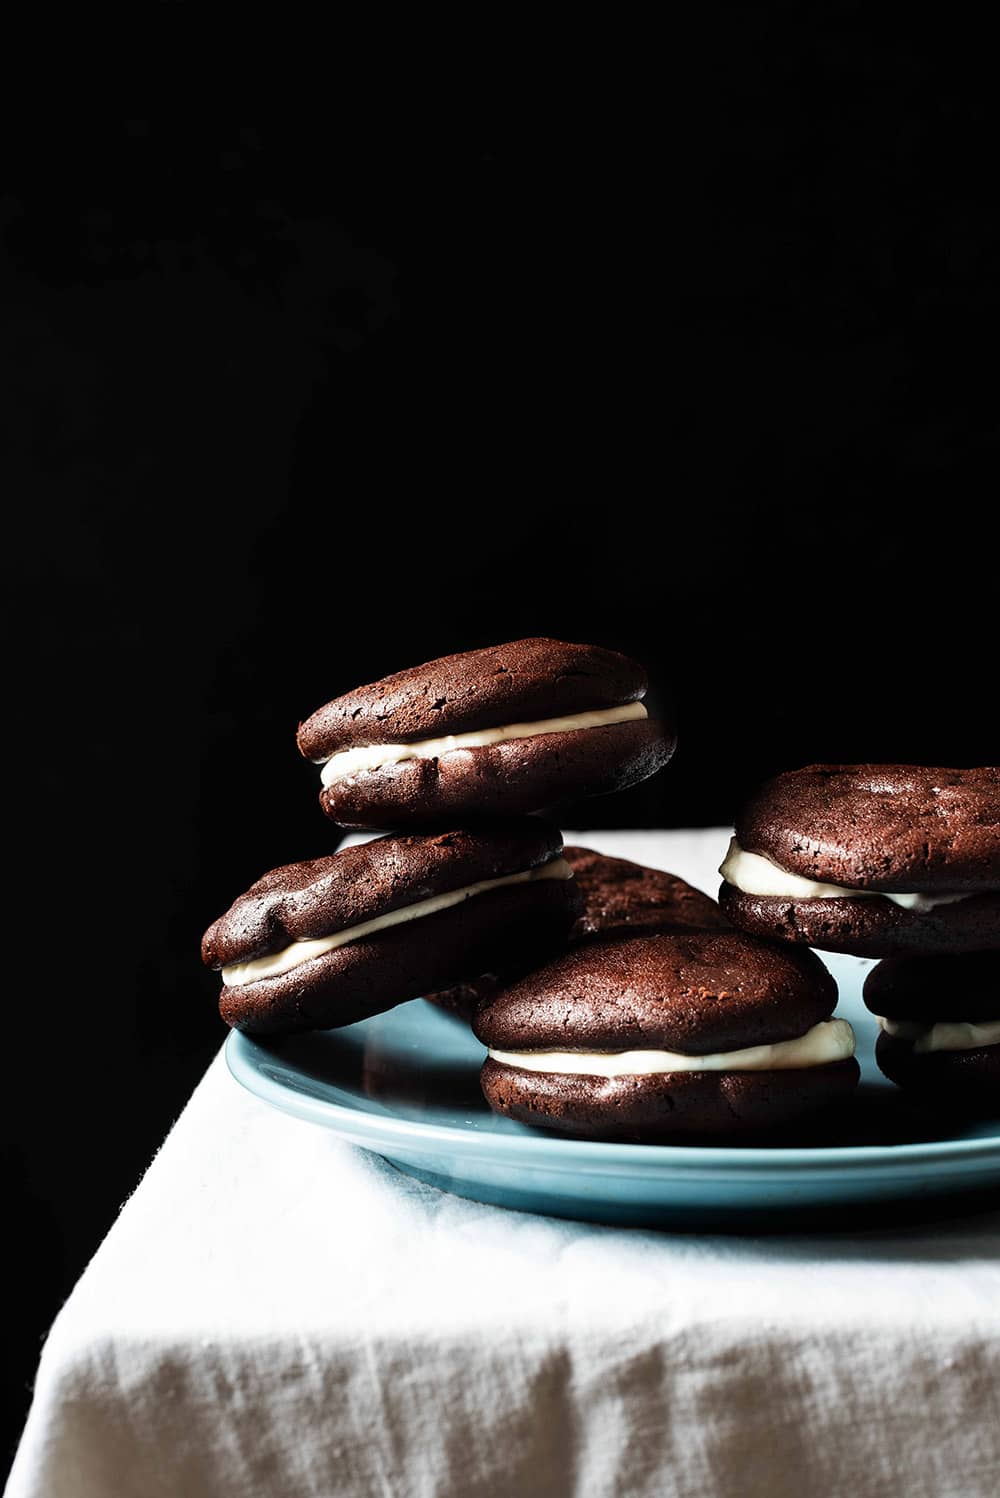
(276, 1313)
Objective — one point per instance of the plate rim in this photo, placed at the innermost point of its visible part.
(242, 1050)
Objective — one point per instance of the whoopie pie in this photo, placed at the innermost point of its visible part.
(679, 1033)
(510, 728)
(332, 940)
(940, 1026)
(878, 860)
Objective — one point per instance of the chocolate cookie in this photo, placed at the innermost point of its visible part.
(940, 1023)
(929, 989)
(624, 898)
(619, 898)
(660, 1036)
(332, 940)
(511, 728)
(878, 860)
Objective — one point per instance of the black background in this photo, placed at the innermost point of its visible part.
(707, 375)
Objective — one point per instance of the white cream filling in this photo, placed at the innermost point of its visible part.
(755, 875)
(373, 756)
(832, 1040)
(946, 1035)
(274, 963)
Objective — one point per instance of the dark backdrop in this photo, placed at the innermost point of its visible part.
(286, 408)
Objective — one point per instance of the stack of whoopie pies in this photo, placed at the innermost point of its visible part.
(457, 753)
(898, 862)
(615, 999)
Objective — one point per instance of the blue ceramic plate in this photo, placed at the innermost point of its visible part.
(405, 1084)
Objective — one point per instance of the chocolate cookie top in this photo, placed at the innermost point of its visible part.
(697, 992)
(934, 989)
(622, 897)
(524, 681)
(880, 827)
(321, 896)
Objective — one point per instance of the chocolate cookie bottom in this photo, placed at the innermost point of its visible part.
(670, 1106)
(958, 1079)
(519, 775)
(868, 927)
